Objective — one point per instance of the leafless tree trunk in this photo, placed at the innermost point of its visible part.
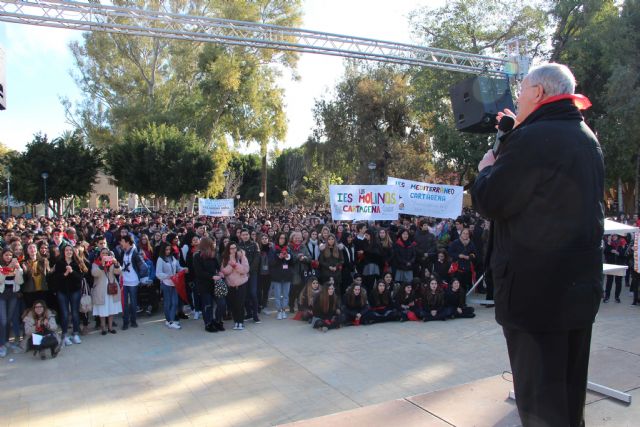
(192, 203)
(263, 200)
(295, 172)
(620, 196)
(233, 183)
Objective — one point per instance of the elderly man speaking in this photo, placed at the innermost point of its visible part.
(544, 195)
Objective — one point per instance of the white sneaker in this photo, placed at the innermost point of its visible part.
(167, 323)
(67, 341)
(284, 314)
(236, 326)
(196, 315)
(76, 339)
(279, 316)
(241, 326)
(174, 325)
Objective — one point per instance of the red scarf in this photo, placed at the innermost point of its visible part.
(106, 265)
(580, 101)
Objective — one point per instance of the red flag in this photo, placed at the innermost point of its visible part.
(181, 285)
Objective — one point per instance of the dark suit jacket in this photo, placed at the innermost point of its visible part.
(544, 195)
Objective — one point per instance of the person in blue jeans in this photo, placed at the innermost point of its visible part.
(133, 270)
(67, 281)
(166, 267)
(10, 280)
(281, 274)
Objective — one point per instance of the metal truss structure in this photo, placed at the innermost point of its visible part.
(93, 16)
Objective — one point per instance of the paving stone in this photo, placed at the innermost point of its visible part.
(275, 372)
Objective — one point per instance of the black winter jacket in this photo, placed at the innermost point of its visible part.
(545, 196)
(203, 271)
(252, 251)
(404, 255)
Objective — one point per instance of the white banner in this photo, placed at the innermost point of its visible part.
(364, 202)
(215, 207)
(434, 200)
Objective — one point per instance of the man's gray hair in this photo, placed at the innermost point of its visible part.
(555, 79)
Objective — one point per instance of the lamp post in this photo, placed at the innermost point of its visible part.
(285, 193)
(226, 183)
(261, 194)
(238, 198)
(44, 176)
(372, 169)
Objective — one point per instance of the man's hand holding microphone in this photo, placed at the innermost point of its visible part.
(506, 121)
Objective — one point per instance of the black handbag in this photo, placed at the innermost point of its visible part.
(220, 288)
(49, 341)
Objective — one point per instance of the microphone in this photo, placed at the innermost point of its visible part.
(505, 124)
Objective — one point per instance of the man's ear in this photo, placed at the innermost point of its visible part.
(540, 95)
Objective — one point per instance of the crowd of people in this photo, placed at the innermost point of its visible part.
(61, 276)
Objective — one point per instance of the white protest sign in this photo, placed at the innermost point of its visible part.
(36, 339)
(215, 207)
(364, 202)
(434, 200)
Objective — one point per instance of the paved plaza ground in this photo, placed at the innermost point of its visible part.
(280, 371)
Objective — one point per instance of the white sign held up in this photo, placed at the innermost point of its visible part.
(215, 207)
(424, 199)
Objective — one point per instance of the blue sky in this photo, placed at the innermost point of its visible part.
(39, 62)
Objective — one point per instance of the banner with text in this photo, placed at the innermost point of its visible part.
(215, 207)
(364, 202)
(434, 200)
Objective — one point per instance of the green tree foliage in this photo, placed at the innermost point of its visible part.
(215, 91)
(287, 173)
(475, 26)
(248, 166)
(71, 163)
(161, 161)
(6, 157)
(370, 118)
(317, 179)
(599, 41)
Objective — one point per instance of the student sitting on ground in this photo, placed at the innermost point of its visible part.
(455, 302)
(305, 302)
(356, 307)
(326, 311)
(41, 321)
(381, 304)
(405, 301)
(434, 302)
